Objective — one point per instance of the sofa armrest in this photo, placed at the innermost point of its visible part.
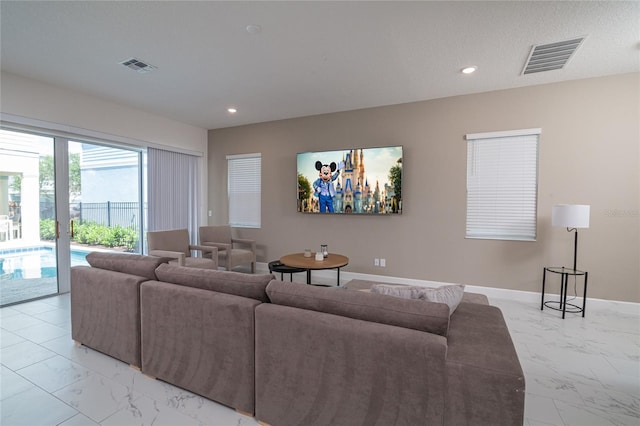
(172, 254)
(105, 311)
(226, 248)
(244, 241)
(205, 249)
(220, 246)
(485, 381)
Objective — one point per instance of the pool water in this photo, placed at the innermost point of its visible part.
(35, 263)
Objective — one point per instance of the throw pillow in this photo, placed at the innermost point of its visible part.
(451, 295)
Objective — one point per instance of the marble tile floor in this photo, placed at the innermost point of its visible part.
(580, 371)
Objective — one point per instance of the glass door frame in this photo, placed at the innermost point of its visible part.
(63, 228)
(61, 140)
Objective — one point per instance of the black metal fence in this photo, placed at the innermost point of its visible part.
(109, 213)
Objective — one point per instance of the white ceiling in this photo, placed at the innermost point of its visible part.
(310, 57)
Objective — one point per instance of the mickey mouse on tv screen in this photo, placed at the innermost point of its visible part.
(323, 187)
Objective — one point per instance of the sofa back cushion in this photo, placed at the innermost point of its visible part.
(240, 284)
(414, 314)
(134, 264)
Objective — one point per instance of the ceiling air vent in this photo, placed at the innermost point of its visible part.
(138, 66)
(552, 56)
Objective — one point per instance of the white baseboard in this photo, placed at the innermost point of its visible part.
(329, 277)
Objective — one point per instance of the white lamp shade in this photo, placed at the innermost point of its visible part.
(570, 215)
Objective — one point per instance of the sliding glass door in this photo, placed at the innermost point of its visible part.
(59, 200)
(105, 191)
(27, 211)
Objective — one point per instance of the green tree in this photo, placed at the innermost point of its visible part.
(395, 177)
(47, 177)
(75, 178)
(304, 187)
(15, 182)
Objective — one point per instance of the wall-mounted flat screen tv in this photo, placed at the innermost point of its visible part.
(363, 181)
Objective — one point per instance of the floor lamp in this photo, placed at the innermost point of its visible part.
(572, 217)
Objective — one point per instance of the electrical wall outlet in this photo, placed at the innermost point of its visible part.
(376, 262)
(383, 263)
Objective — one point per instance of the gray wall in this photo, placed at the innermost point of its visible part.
(589, 154)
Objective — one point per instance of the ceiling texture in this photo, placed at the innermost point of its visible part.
(278, 60)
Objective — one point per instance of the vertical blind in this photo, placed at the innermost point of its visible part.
(502, 185)
(244, 189)
(174, 191)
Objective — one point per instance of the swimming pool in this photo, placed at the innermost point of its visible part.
(34, 262)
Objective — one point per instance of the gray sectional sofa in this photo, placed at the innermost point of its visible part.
(293, 354)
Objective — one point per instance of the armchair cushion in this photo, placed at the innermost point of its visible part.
(176, 256)
(173, 240)
(215, 234)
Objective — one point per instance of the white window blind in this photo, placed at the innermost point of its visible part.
(173, 191)
(244, 189)
(502, 185)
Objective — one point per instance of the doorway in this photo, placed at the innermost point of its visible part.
(59, 200)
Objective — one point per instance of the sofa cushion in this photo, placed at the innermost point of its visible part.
(415, 314)
(128, 263)
(449, 294)
(240, 284)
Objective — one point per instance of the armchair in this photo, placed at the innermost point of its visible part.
(175, 244)
(229, 254)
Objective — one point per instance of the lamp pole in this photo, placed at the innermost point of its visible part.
(575, 248)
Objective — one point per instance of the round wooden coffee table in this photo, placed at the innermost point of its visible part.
(333, 261)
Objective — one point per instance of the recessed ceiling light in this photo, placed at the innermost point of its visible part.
(469, 70)
(253, 29)
(232, 110)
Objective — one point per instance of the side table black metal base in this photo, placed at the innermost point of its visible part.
(561, 305)
(277, 266)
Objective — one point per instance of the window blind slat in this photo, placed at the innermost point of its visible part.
(502, 175)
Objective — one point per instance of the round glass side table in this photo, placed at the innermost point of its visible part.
(561, 305)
